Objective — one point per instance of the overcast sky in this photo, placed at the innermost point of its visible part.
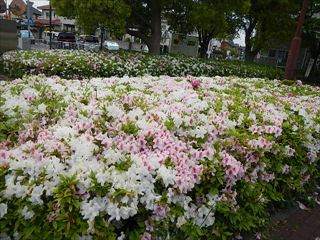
(240, 39)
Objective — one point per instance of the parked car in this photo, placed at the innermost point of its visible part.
(88, 39)
(109, 45)
(88, 42)
(26, 34)
(66, 40)
(66, 37)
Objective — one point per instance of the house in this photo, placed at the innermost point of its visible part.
(23, 19)
(59, 23)
(277, 57)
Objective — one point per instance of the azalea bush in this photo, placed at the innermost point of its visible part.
(152, 157)
(85, 64)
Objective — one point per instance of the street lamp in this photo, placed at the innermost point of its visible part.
(296, 43)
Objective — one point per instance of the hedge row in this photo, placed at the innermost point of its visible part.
(85, 64)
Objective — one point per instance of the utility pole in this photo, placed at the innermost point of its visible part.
(50, 24)
(101, 37)
(28, 17)
(296, 43)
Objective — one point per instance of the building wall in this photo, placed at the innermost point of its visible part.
(277, 57)
(66, 24)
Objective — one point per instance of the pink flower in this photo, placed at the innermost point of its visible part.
(258, 236)
(146, 236)
(160, 211)
(4, 155)
(286, 168)
(312, 156)
(289, 151)
(234, 167)
(195, 84)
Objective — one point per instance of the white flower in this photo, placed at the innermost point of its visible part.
(114, 111)
(15, 102)
(177, 120)
(83, 149)
(180, 221)
(167, 175)
(92, 209)
(113, 156)
(61, 132)
(42, 108)
(135, 114)
(26, 213)
(3, 209)
(122, 236)
(252, 116)
(36, 195)
(199, 132)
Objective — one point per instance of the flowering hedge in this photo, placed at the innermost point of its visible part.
(152, 157)
(84, 64)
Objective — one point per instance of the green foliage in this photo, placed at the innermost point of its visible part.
(130, 128)
(211, 19)
(109, 14)
(83, 64)
(260, 27)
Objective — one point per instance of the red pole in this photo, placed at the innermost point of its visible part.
(296, 43)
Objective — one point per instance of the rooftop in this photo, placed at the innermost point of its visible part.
(45, 7)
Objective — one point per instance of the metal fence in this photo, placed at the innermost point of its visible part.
(42, 44)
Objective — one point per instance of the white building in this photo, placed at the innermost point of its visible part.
(61, 23)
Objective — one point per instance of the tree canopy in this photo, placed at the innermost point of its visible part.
(267, 23)
(90, 15)
(210, 19)
(139, 18)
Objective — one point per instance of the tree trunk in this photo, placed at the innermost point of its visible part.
(249, 54)
(155, 38)
(204, 39)
(203, 48)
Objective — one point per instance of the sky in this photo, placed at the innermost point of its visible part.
(239, 40)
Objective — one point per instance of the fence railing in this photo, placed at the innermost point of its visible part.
(45, 44)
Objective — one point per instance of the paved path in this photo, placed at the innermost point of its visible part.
(296, 224)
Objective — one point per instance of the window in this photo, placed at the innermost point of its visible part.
(47, 15)
(272, 53)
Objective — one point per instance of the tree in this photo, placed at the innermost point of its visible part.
(141, 19)
(90, 15)
(144, 22)
(267, 23)
(210, 19)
